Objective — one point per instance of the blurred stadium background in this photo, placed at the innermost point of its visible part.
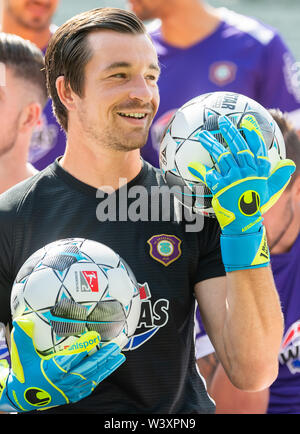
(281, 14)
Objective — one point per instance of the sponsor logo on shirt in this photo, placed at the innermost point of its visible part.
(289, 353)
(154, 315)
(222, 73)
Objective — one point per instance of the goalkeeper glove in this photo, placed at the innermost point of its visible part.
(242, 191)
(37, 382)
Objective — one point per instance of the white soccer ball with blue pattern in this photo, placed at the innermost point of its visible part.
(180, 145)
(72, 286)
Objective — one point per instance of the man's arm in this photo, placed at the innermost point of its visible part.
(242, 317)
(231, 400)
(228, 399)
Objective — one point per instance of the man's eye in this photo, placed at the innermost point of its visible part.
(152, 77)
(119, 75)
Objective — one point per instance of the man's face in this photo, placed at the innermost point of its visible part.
(149, 9)
(10, 110)
(120, 90)
(32, 14)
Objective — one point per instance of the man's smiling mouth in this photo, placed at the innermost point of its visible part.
(133, 115)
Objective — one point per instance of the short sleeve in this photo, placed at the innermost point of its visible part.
(210, 263)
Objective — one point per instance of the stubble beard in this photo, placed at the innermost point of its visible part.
(112, 138)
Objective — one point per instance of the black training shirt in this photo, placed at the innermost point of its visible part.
(159, 374)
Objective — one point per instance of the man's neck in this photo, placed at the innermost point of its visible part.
(103, 168)
(38, 37)
(199, 23)
(13, 171)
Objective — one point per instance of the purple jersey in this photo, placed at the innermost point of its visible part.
(242, 56)
(285, 391)
(48, 140)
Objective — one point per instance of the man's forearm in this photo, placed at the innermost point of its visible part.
(253, 328)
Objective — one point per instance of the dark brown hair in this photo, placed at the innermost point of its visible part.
(291, 140)
(68, 52)
(26, 61)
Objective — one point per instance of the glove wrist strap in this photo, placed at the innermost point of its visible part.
(240, 252)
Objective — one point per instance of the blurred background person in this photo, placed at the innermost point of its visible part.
(31, 19)
(205, 49)
(23, 95)
(283, 232)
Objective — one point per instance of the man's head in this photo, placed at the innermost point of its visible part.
(23, 90)
(283, 217)
(31, 14)
(101, 66)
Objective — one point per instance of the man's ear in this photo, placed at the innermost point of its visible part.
(65, 93)
(30, 117)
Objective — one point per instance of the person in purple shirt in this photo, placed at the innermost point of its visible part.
(283, 232)
(31, 19)
(203, 49)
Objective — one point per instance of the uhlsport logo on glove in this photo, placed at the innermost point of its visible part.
(37, 397)
(249, 203)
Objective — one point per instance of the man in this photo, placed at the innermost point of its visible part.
(23, 94)
(31, 19)
(102, 72)
(203, 49)
(282, 225)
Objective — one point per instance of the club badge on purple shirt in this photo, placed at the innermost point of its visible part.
(222, 73)
(165, 248)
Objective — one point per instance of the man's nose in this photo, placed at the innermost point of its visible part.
(140, 90)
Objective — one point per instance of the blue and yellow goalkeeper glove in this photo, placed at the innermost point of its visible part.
(37, 382)
(243, 190)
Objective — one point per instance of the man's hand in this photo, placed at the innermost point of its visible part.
(242, 191)
(37, 382)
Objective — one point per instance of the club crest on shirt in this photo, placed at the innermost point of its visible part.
(165, 248)
(222, 73)
(289, 353)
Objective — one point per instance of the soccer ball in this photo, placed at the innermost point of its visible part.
(72, 286)
(180, 144)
